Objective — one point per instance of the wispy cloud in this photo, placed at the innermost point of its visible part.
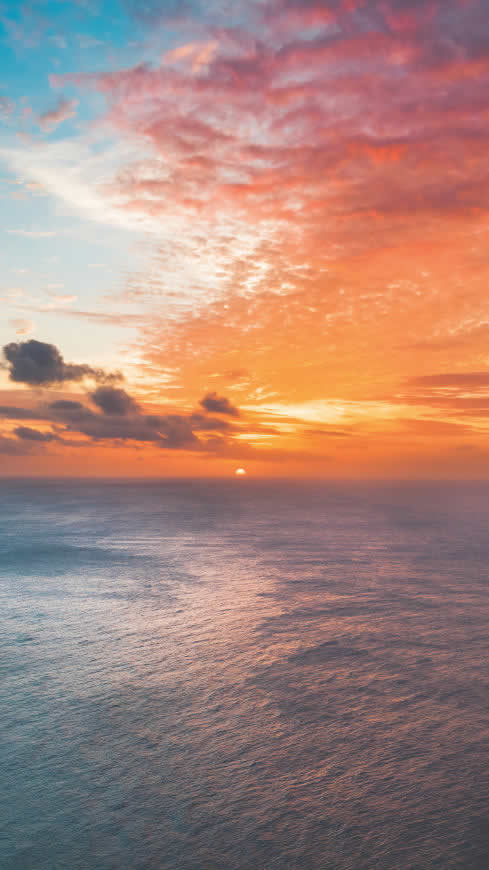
(21, 325)
(60, 299)
(63, 110)
(33, 234)
(7, 107)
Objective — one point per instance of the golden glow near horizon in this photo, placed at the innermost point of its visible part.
(240, 472)
(281, 286)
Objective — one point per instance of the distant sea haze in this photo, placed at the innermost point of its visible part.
(239, 675)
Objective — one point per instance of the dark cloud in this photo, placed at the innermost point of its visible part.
(120, 419)
(218, 405)
(209, 424)
(25, 433)
(10, 412)
(116, 416)
(176, 431)
(128, 423)
(113, 400)
(71, 413)
(39, 364)
(66, 406)
(169, 430)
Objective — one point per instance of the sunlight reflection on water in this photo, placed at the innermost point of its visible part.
(211, 676)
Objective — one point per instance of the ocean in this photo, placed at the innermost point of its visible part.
(237, 675)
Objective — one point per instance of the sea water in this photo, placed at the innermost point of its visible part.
(240, 674)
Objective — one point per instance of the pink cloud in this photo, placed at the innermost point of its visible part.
(326, 127)
(198, 54)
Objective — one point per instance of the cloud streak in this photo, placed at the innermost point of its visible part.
(25, 433)
(63, 110)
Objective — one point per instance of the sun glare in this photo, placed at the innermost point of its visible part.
(240, 472)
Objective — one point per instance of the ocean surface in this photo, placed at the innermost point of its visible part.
(209, 676)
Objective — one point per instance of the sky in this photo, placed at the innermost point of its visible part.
(244, 234)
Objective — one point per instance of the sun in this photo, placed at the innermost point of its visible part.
(240, 472)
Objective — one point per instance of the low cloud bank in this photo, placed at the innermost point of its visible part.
(108, 413)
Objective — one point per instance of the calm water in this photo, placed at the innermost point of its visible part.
(236, 675)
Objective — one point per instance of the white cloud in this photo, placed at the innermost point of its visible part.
(328, 411)
(61, 299)
(196, 254)
(78, 176)
(32, 234)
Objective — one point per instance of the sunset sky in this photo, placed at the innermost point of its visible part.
(245, 234)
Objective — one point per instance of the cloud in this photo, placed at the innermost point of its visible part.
(171, 431)
(25, 433)
(127, 320)
(62, 299)
(218, 405)
(39, 364)
(118, 416)
(7, 107)
(197, 54)
(328, 433)
(301, 175)
(54, 117)
(21, 325)
(435, 427)
(11, 412)
(266, 122)
(122, 419)
(458, 380)
(202, 423)
(464, 394)
(113, 400)
(328, 412)
(67, 406)
(77, 174)
(13, 447)
(33, 234)
(260, 159)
